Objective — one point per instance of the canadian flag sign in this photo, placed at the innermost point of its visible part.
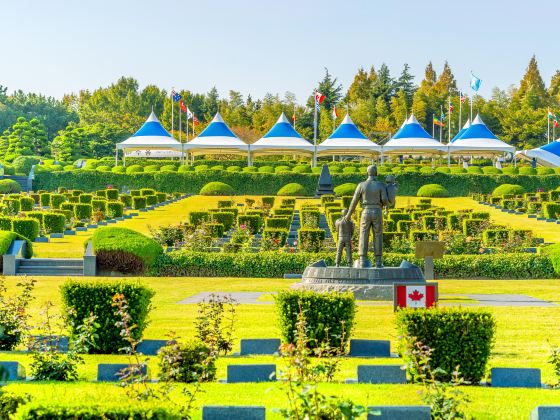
(417, 295)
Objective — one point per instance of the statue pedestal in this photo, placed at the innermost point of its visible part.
(364, 283)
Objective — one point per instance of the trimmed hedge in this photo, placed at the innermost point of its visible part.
(311, 239)
(217, 188)
(345, 189)
(54, 223)
(27, 227)
(115, 209)
(432, 190)
(138, 202)
(198, 217)
(292, 189)
(83, 211)
(506, 189)
(124, 250)
(226, 218)
(185, 362)
(26, 203)
(252, 222)
(9, 186)
(95, 297)
(457, 337)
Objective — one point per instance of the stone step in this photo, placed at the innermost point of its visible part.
(51, 262)
(51, 271)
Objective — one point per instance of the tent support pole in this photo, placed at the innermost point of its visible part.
(448, 158)
(116, 156)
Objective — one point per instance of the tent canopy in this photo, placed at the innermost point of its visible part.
(217, 138)
(547, 155)
(347, 139)
(151, 136)
(462, 130)
(413, 139)
(282, 138)
(478, 139)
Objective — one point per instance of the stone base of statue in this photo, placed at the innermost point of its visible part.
(364, 283)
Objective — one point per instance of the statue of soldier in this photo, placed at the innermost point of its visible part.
(344, 230)
(373, 195)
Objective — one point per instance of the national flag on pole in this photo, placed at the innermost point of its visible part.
(319, 97)
(294, 117)
(176, 96)
(182, 105)
(438, 122)
(334, 113)
(475, 83)
(317, 106)
(189, 114)
(195, 120)
(550, 115)
(462, 97)
(450, 107)
(415, 296)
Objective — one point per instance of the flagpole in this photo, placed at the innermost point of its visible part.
(460, 110)
(433, 125)
(441, 126)
(449, 120)
(471, 100)
(294, 116)
(315, 132)
(548, 125)
(172, 121)
(180, 129)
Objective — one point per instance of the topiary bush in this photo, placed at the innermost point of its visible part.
(432, 190)
(86, 198)
(198, 217)
(345, 189)
(225, 218)
(217, 188)
(9, 186)
(292, 189)
(80, 299)
(138, 202)
(457, 337)
(527, 170)
(26, 203)
(56, 200)
(132, 169)
(115, 209)
(27, 227)
(124, 250)
(506, 189)
(186, 362)
(278, 222)
(126, 199)
(253, 222)
(83, 211)
(111, 194)
(11, 206)
(311, 239)
(99, 205)
(151, 200)
(329, 316)
(54, 223)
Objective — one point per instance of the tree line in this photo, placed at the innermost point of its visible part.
(89, 124)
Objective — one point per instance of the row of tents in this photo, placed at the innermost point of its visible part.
(153, 140)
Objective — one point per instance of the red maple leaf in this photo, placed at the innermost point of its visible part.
(416, 295)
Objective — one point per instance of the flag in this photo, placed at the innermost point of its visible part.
(415, 296)
(334, 113)
(189, 114)
(317, 106)
(182, 105)
(475, 83)
(550, 114)
(294, 117)
(450, 107)
(195, 120)
(438, 122)
(319, 97)
(555, 120)
(462, 97)
(175, 95)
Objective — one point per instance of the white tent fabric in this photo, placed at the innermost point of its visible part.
(151, 136)
(153, 153)
(478, 139)
(217, 138)
(547, 155)
(413, 139)
(347, 139)
(282, 138)
(462, 130)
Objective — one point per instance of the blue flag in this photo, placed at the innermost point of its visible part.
(475, 83)
(176, 96)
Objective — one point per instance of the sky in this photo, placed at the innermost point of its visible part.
(61, 46)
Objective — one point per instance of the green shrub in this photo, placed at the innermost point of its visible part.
(86, 198)
(551, 210)
(9, 186)
(95, 298)
(161, 197)
(217, 188)
(56, 201)
(268, 201)
(345, 189)
(151, 168)
(103, 168)
(26, 227)
(278, 222)
(126, 199)
(396, 217)
(234, 168)
(183, 169)
(138, 202)
(147, 191)
(329, 317)
(432, 190)
(282, 168)
(474, 170)
(276, 236)
(506, 189)
(225, 203)
(527, 170)
(101, 193)
(37, 215)
(5, 223)
(53, 222)
(483, 215)
(225, 218)
(118, 169)
(11, 206)
(292, 189)
(216, 229)
(458, 337)
(186, 362)
(151, 200)
(266, 170)
(433, 222)
(311, 239)
(45, 199)
(95, 411)
(553, 252)
(124, 250)
(291, 202)
(473, 227)
(310, 218)
(99, 205)
(134, 169)
(252, 222)
(283, 212)
(301, 169)
(83, 211)
(421, 235)
(115, 209)
(112, 194)
(198, 217)
(495, 237)
(249, 169)
(135, 193)
(26, 203)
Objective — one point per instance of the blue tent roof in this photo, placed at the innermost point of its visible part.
(477, 130)
(152, 127)
(461, 131)
(217, 128)
(412, 129)
(347, 130)
(553, 147)
(282, 128)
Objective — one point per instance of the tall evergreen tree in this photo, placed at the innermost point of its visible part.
(20, 140)
(406, 84)
(360, 87)
(532, 91)
(332, 90)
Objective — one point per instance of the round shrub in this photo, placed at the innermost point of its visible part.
(234, 168)
(83, 211)
(491, 170)
(124, 250)
(217, 168)
(292, 189)
(118, 169)
(182, 169)
(168, 168)
(443, 170)
(335, 169)
(508, 189)
(134, 169)
(9, 186)
(301, 169)
(432, 190)
(151, 168)
(103, 168)
(527, 170)
(26, 203)
(27, 227)
(474, 170)
(22, 164)
(426, 170)
(510, 170)
(282, 168)
(345, 189)
(185, 362)
(54, 223)
(545, 171)
(458, 170)
(266, 170)
(115, 209)
(250, 169)
(349, 170)
(199, 168)
(217, 188)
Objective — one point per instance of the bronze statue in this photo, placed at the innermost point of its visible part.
(344, 230)
(374, 195)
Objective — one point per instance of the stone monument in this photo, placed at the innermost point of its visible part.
(363, 280)
(324, 186)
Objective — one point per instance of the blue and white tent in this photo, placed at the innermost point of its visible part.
(347, 139)
(282, 138)
(412, 139)
(217, 138)
(152, 140)
(547, 155)
(479, 140)
(462, 130)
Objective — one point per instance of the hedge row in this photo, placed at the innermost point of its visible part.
(276, 264)
(267, 184)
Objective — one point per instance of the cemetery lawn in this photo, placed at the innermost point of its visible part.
(72, 246)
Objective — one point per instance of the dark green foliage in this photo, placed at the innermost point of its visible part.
(225, 203)
(421, 235)
(86, 198)
(37, 215)
(457, 337)
(6, 239)
(455, 221)
(54, 222)
(126, 199)
(506, 189)
(95, 298)
(26, 227)
(277, 236)
(83, 211)
(151, 200)
(292, 189)
(329, 317)
(405, 226)
(124, 250)
(99, 205)
(56, 201)
(147, 191)
(26, 203)
(161, 197)
(216, 229)
(399, 216)
(68, 207)
(473, 227)
(553, 252)
(198, 217)
(112, 194)
(283, 212)
(432, 190)
(217, 188)
(5, 223)
(9, 186)
(278, 222)
(138, 202)
(252, 222)
(310, 218)
(433, 222)
(311, 239)
(101, 193)
(225, 218)
(268, 201)
(551, 210)
(482, 215)
(11, 206)
(115, 209)
(495, 237)
(328, 198)
(186, 362)
(135, 193)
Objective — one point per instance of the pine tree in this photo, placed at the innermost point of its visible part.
(39, 141)
(381, 110)
(399, 108)
(360, 87)
(384, 85)
(211, 102)
(532, 90)
(19, 140)
(420, 108)
(430, 78)
(445, 85)
(331, 89)
(554, 89)
(406, 84)
(4, 142)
